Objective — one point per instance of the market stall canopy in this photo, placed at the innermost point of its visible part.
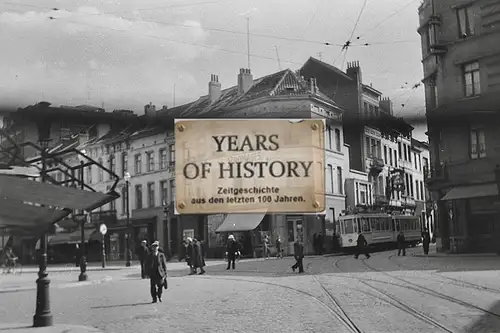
(26, 190)
(240, 222)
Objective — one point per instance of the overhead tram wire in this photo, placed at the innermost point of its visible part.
(184, 42)
(367, 31)
(82, 15)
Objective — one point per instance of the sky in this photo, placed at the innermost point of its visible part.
(124, 54)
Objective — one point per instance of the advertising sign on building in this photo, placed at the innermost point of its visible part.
(249, 166)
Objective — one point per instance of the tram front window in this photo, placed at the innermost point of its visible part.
(349, 227)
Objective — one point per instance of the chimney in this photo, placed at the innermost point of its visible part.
(354, 71)
(214, 88)
(313, 88)
(386, 105)
(245, 80)
(150, 110)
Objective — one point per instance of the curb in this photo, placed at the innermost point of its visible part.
(21, 328)
(59, 286)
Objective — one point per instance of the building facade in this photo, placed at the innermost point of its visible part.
(461, 63)
(380, 144)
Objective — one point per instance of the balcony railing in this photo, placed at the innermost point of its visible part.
(435, 173)
(376, 165)
(380, 199)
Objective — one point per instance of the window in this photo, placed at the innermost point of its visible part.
(367, 146)
(150, 159)
(171, 150)
(477, 144)
(124, 200)
(164, 192)
(376, 110)
(337, 140)
(433, 92)
(89, 174)
(465, 22)
(138, 164)
(163, 158)
(124, 163)
(422, 195)
(365, 105)
(390, 156)
(329, 179)
(138, 196)
(395, 158)
(385, 154)
(329, 133)
(112, 164)
(400, 153)
(405, 152)
(471, 79)
(409, 153)
(100, 172)
(151, 195)
(172, 190)
(339, 180)
(363, 194)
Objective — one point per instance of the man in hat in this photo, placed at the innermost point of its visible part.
(157, 271)
(232, 249)
(142, 254)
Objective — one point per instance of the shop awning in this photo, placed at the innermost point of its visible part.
(240, 222)
(473, 191)
(26, 190)
(72, 237)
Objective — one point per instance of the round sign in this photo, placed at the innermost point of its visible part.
(103, 229)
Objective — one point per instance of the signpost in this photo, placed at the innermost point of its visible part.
(249, 166)
(103, 230)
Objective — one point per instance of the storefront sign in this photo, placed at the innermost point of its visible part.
(249, 166)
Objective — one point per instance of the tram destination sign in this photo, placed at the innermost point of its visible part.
(249, 166)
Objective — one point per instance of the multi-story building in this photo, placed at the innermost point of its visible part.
(380, 144)
(461, 63)
(283, 94)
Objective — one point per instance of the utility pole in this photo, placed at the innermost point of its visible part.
(278, 56)
(248, 41)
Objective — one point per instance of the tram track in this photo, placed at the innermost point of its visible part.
(430, 292)
(336, 312)
(456, 282)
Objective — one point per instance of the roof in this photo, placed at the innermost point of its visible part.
(272, 85)
(328, 67)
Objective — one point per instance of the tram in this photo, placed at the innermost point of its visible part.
(378, 229)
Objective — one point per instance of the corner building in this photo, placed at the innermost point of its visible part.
(461, 62)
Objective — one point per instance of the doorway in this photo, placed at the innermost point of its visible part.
(295, 231)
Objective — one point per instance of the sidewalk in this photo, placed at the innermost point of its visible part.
(21, 328)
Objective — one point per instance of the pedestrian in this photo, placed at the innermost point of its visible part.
(189, 252)
(278, 248)
(143, 254)
(232, 249)
(320, 244)
(362, 246)
(267, 247)
(315, 243)
(401, 243)
(298, 254)
(426, 239)
(197, 257)
(157, 271)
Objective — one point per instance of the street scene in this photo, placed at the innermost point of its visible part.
(250, 166)
(386, 293)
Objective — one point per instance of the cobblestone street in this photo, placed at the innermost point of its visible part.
(386, 293)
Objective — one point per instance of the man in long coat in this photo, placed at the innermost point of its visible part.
(298, 254)
(157, 271)
(143, 254)
(197, 257)
(189, 254)
(232, 249)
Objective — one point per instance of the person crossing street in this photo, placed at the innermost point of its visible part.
(157, 271)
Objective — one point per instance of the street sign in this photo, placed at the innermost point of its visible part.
(103, 229)
(249, 166)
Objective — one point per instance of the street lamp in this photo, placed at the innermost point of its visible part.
(83, 259)
(127, 234)
(43, 315)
